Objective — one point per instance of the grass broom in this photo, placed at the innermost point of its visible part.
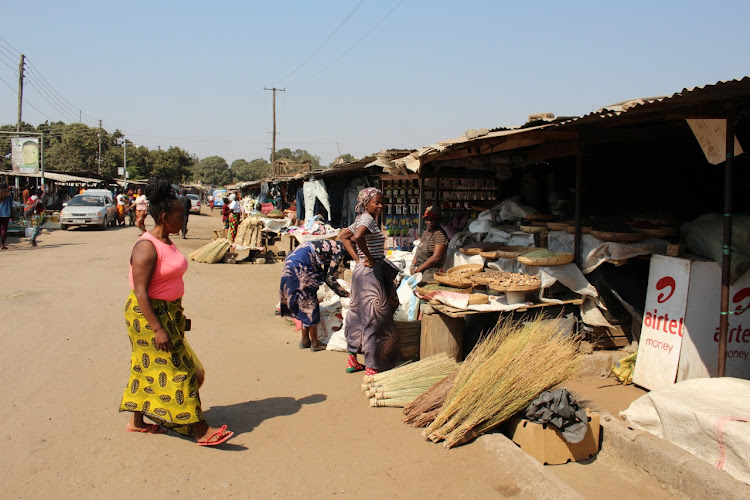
(501, 376)
(422, 411)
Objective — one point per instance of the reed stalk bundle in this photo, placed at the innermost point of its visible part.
(501, 376)
(400, 386)
(212, 252)
(422, 411)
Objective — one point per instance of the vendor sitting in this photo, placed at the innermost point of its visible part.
(430, 254)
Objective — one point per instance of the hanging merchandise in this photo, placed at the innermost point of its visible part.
(315, 190)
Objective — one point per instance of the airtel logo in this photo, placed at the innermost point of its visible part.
(667, 282)
(738, 298)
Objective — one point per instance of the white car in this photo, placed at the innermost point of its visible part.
(195, 203)
(89, 210)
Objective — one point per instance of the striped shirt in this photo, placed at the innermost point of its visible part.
(374, 237)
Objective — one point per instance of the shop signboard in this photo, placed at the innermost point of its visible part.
(680, 330)
(663, 322)
(25, 155)
(700, 344)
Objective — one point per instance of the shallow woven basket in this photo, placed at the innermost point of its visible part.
(618, 237)
(500, 286)
(510, 252)
(584, 229)
(466, 270)
(453, 280)
(558, 226)
(471, 251)
(559, 260)
(533, 229)
(275, 216)
(422, 291)
(487, 277)
(541, 217)
(492, 254)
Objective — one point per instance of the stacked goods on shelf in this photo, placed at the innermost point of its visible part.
(505, 372)
(401, 212)
(212, 252)
(402, 385)
(452, 195)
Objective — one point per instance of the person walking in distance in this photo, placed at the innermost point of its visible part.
(186, 205)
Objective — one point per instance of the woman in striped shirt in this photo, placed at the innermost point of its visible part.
(370, 329)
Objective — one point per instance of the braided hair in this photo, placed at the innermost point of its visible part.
(160, 198)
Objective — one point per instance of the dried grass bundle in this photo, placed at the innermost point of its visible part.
(422, 411)
(400, 386)
(501, 376)
(212, 252)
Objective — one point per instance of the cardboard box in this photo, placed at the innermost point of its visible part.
(546, 444)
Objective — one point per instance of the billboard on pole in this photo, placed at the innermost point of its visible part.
(25, 155)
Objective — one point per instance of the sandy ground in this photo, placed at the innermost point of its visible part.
(303, 427)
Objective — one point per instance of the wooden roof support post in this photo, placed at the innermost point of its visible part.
(726, 260)
(579, 187)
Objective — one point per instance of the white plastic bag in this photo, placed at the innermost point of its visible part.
(408, 308)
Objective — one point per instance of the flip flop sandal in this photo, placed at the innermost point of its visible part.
(319, 347)
(218, 441)
(151, 429)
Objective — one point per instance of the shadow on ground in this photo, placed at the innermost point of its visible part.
(244, 417)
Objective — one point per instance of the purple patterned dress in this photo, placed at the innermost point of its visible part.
(305, 269)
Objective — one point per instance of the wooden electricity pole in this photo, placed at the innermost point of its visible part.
(20, 93)
(273, 147)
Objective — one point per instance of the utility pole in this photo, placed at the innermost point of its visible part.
(20, 92)
(273, 150)
(99, 159)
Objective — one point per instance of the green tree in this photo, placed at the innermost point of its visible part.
(140, 163)
(243, 171)
(215, 171)
(70, 148)
(174, 164)
(344, 158)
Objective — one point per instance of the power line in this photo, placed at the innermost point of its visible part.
(11, 67)
(358, 41)
(341, 24)
(49, 91)
(24, 100)
(39, 74)
(9, 45)
(64, 114)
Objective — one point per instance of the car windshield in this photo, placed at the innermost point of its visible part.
(193, 197)
(82, 200)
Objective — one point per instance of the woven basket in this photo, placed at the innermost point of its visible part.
(541, 217)
(487, 277)
(510, 252)
(452, 280)
(618, 237)
(558, 226)
(465, 270)
(533, 229)
(566, 258)
(501, 286)
(492, 255)
(584, 229)
(422, 291)
(471, 251)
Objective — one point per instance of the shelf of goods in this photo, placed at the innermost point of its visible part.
(451, 195)
(401, 211)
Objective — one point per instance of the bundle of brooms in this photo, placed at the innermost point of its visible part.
(422, 411)
(502, 375)
(211, 252)
(400, 386)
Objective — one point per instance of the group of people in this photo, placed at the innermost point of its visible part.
(166, 374)
(134, 205)
(370, 328)
(231, 215)
(33, 211)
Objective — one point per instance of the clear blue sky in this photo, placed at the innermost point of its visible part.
(191, 74)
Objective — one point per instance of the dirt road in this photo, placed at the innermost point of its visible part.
(303, 427)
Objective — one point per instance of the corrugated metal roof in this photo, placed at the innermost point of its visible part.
(725, 90)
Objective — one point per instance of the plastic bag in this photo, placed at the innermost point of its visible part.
(623, 369)
(408, 308)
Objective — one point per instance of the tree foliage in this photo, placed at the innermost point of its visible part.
(344, 158)
(214, 170)
(298, 155)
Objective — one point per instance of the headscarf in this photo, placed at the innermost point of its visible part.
(232, 197)
(364, 197)
(431, 213)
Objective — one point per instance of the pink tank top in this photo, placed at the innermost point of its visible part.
(166, 282)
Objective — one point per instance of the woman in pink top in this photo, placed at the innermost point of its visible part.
(165, 373)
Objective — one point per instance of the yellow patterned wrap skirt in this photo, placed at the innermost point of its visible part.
(162, 385)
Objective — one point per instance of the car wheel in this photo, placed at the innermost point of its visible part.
(104, 224)
(64, 227)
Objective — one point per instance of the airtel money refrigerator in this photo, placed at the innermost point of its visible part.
(680, 329)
